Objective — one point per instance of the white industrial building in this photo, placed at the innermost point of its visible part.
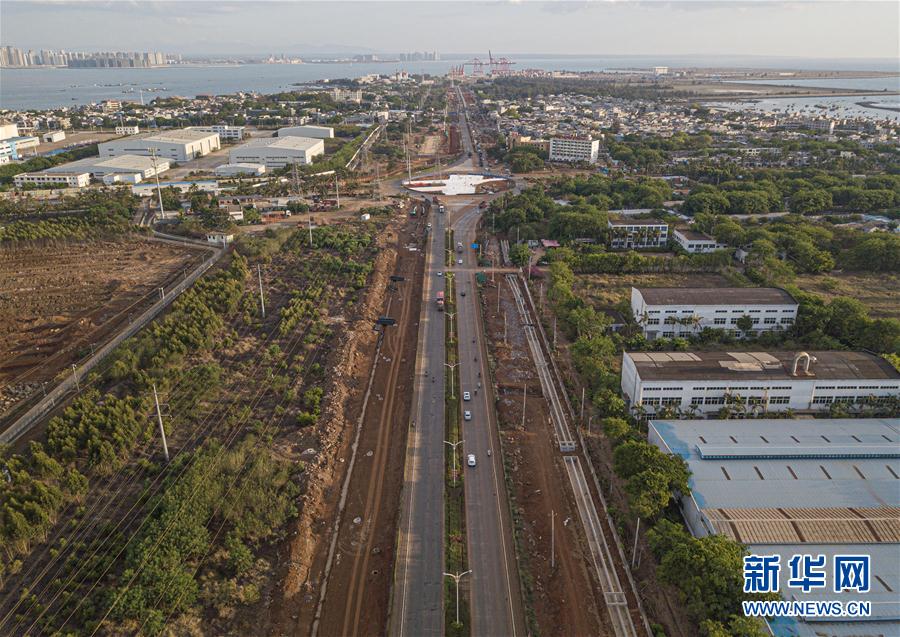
(8, 130)
(633, 234)
(277, 152)
(672, 312)
(315, 132)
(75, 179)
(131, 168)
(233, 170)
(128, 130)
(54, 136)
(703, 383)
(695, 242)
(574, 149)
(13, 147)
(225, 132)
(176, 145)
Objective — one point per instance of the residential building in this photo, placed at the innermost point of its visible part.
(176, 145)
(574, 149)
(277, 152)
(314, 132)
(225, 132)
(695, 242)
(140, 166)
(672, 312)
(756, 382)
(67, 179)
(220, 238)
(233, 170)
(799, 486)
(128, 130)
(634, 234)
(342, 95)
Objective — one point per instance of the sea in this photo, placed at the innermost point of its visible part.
(45, 88)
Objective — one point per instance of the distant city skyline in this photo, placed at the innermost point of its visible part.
(806, 29)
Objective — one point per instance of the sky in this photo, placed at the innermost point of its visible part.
(800, 28)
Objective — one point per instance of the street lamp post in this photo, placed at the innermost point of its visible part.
(452, 367)
(454, 445)
(450, 316)
(456, 577)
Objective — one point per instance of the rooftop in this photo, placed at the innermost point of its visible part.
(716, 296)
(171, 136)
(768, 366)
(291, 143)
(132, 163)
(693, 235)
(616, 221)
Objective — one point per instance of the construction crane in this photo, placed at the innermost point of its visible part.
(477, 67)
(499, 66)
(494, 66)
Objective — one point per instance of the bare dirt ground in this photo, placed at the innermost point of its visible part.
(877, 291)
(562, 599)
(359, 583)
(430, 145)
(56, 300)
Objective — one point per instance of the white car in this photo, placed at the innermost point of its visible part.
(467, 396)
(459, 262)
(440, 273)
(470, 460)
(467, 415)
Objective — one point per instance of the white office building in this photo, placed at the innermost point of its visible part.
(128, 130)
(63, 179)
(633, 234)
(672, 312)
(225, 132)
(176, 145)
(704, 383)
(314, 132)
(574, 149)
(695, 242)
(277, 152)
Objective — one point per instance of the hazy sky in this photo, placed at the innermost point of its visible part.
(601, 27)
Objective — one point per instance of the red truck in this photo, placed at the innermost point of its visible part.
(440, 301)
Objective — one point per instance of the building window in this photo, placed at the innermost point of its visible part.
(719, 321)
(714, 400)
(787, 320)
(823, 400)
(769, 320)
(697, 400)
(671, 400)
(668, 334)
(779, 400)
(653, 321)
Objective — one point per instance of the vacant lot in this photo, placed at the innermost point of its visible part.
(878, 291)
(58, 300)
(607, 290)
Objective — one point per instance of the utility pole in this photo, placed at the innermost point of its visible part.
(554, 334)
(454, 445)
(162, 294)
(156, 174)
(162, 431)
(552, 539)
(541, 296)
(637, 530)
(450, 316)
(524, 397)
(581, 415)
(75, 376)
(456, 577)
(337, 192)
(504, 328)
(262, 300)
(452, 367)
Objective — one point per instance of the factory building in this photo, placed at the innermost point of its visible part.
(54, 136)
(175, 145)
(233, 170)
(704, 383)
(574, 149)
(315, 132)
(277, 152)
(783, 487)
(695, 242)
(635, 234)
(130, 168)
(672, 312)
(13, 147)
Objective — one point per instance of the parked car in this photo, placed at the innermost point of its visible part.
(467, 415)
(467, 396)
(459, 262)
(440, 273)
(470, 460)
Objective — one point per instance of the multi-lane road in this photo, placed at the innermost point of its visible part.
(418, 605)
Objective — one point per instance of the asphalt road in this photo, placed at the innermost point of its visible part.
(494, 595)
(418, 609)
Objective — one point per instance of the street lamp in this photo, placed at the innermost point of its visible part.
(452, 367)
(456, 577)
(450, 316)
(454, 445)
